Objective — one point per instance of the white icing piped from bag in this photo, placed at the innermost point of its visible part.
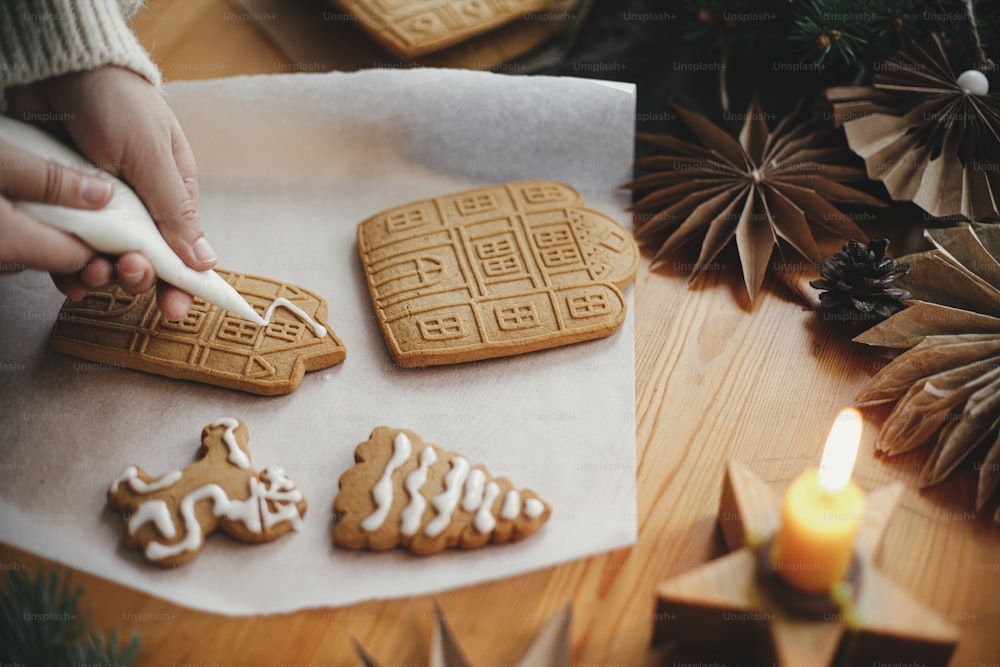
(282, 302)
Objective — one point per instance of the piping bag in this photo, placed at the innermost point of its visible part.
(122, 226)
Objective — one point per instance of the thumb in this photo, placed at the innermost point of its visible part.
(166, 181)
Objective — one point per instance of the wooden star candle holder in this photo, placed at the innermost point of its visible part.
(733, 602)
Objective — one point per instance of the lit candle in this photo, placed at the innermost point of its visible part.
(821, 513)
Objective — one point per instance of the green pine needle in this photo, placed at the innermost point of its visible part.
(41, 624)
(831, 31)
(841, 38)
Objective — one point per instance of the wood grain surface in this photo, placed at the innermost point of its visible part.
(715, 380)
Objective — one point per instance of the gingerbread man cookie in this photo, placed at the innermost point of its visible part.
(404, 491)
(169, 516)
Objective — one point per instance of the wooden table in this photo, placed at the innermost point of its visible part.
(715, 380)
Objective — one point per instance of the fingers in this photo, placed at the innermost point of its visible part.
(98, 272)
(166, 180)
(173, 303)
(135, 273)
(28, 177)
(70, 285)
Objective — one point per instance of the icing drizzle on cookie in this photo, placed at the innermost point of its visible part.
(382, 491)
(511, 505)
(446, 501)
(237, 456)
(272, 500)
(281, 301)
(462, 485)
(474, 487)
(485, 521)
(412, 513)
(131, 476)
(533, 508)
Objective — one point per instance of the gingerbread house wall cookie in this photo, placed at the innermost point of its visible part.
(209, 345)
(495, 271)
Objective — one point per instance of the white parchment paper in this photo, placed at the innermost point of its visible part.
(288, 166)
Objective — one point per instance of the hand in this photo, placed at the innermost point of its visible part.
(26, 243)
(120, 122)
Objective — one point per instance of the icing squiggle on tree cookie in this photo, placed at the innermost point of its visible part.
(511, 505)
(446, 501)
(470, 486)
(485, 521)
(382, 491)
(412, 513)
(474, 487)
(533, 508)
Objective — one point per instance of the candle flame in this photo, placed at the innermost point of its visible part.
(840, 451)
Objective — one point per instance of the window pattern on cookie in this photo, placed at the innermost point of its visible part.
(209, 345)
(441, 328)
(590, 304)
(517, 316)
(537, 247)
(477, 203)
(404, 220)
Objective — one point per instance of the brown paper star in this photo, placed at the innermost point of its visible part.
(549, 649)
(721, 604)
(763, 186)
(947, 384)
(930, 136)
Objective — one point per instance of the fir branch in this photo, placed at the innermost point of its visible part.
(41, 624)
(831, 32)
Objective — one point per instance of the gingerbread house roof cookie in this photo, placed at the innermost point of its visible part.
(209, 345)
(495, 271)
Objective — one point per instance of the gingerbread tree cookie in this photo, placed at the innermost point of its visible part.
(404, 491)
(169, 516)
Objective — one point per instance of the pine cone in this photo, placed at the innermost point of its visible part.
(858, 282)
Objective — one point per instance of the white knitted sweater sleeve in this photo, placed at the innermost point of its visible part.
(45, 38)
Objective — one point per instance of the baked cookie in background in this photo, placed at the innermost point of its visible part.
(403, 491)
(495, 271)
(417, 27)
